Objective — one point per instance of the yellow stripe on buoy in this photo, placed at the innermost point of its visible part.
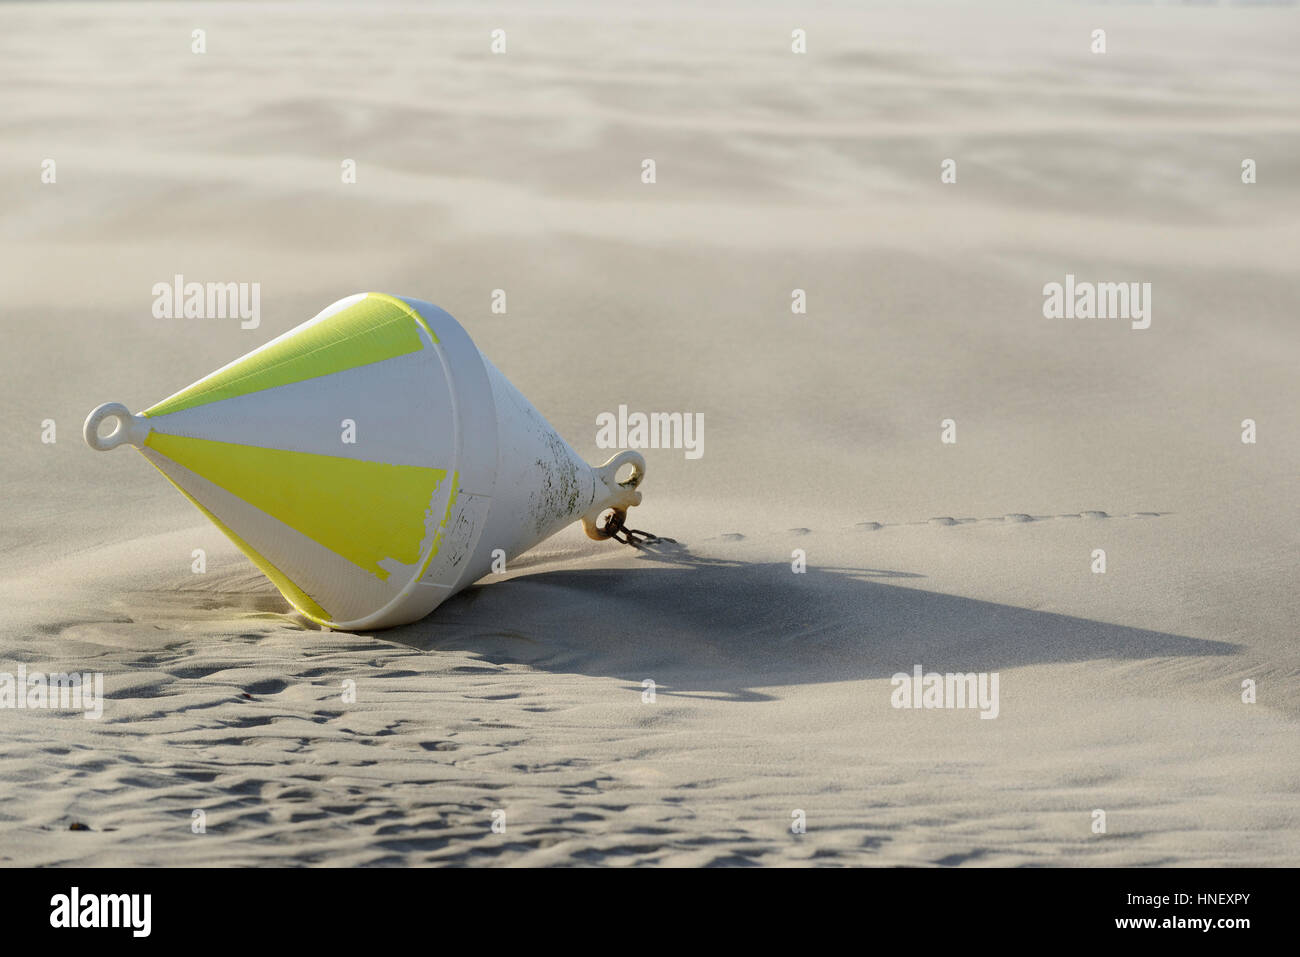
(295, 595)
(366, 512)
(378, 327)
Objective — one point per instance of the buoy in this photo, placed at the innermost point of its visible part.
(371, 462)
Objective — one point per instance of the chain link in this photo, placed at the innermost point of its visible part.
(631, 536)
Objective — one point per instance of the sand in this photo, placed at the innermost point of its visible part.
(1120, 692)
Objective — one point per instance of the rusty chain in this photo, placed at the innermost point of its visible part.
(631, 536)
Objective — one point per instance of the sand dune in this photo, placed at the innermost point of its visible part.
(1119, 691)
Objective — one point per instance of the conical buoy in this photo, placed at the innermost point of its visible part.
(371, 461)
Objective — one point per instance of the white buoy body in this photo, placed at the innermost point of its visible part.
(371, 461)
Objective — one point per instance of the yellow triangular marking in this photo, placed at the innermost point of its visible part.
(363, 511)
(295, 595)
(373, 329)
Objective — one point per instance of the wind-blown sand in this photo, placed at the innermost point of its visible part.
(1119, 691)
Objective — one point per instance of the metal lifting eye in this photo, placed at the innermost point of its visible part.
(133, 429)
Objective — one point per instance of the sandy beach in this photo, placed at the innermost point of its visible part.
(829, 537)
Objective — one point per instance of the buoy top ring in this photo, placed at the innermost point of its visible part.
(130, 428)
(619, 496)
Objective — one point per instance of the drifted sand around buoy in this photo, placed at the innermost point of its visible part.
(773, 689)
